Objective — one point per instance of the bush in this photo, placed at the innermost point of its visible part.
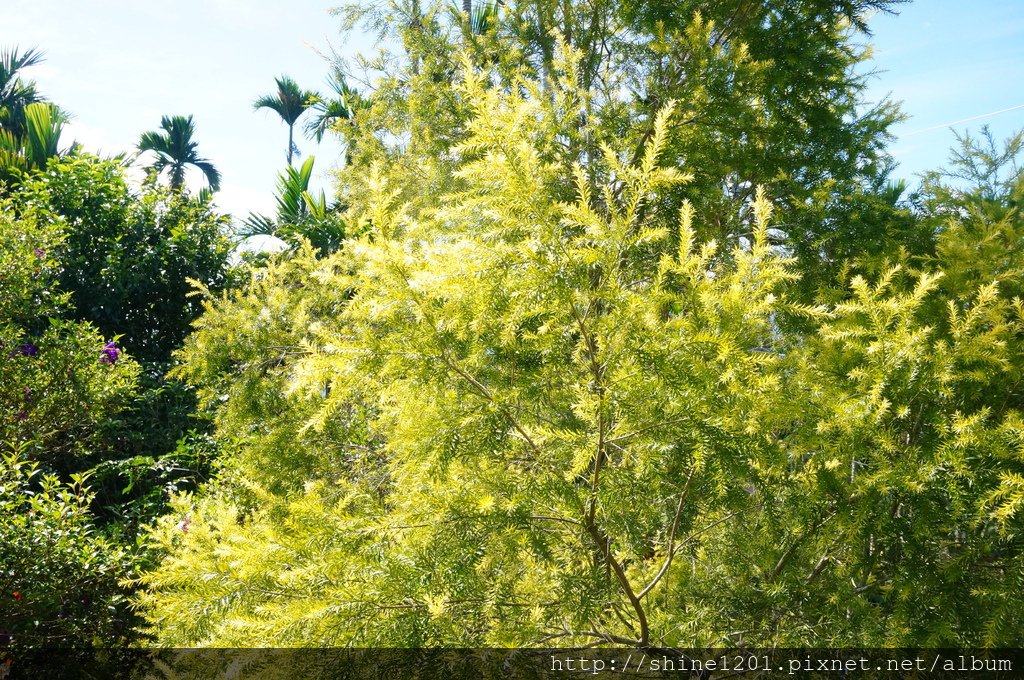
(60, 582)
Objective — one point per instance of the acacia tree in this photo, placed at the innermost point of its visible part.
(768, 94)
(530, 419)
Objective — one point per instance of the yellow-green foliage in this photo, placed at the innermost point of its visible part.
(515, 419)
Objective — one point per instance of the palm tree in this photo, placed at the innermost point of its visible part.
(175, 150)
(16, 93)
(328, 111)
(300, 214)
(20, 155)
(290, 102)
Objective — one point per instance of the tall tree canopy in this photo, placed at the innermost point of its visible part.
(768, 95)
(128, 257)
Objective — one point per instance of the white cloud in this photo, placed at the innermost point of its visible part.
(92, 139)
(241, 200)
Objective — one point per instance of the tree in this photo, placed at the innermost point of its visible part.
(21, 156)
(329, 112)
(175, 151)
(128, 258)
(289, 102)
(534, 411)
(61, 582)
(15, 92)
(55, 392)
(29, 127)
(770, 94)
(301, 216)
(82, 253)
(62, 384)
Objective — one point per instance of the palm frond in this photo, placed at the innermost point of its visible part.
(175, 149)
(12, 61)
(44, 125)
(290, 101)
(211, 173)
(257, 225)
(15, 92)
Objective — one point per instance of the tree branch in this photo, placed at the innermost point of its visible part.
(605, 545)
(671, 538)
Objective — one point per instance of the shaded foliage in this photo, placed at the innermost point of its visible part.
(128, 258)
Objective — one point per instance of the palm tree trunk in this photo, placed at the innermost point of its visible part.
(291, 143)
(467, 7)
(177, 177)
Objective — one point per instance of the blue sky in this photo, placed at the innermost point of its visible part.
(948, 61)
(119, 65)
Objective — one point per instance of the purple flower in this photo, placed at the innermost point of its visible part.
(110, 353)
(40, 252)
(28, 393)
(21, 415)
(26, 350)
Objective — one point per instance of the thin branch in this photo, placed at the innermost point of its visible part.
(609, 637)
(671, 538)
(786, 556)
(648, 428)
(709, 527)
(605, 545)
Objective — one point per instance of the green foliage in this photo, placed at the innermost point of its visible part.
(131, 491)
(330, 112)
(58, 396)
(29, 153)
(60, 582)
(175, 151)
(28, 267)
(978, 215)
(30, 128)
(15, 92)
(79, 249)
(241, 357)
(769, 95)
(55, 392)
(300, 215)
(128, 259)
(522, 407)
(61, 386)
